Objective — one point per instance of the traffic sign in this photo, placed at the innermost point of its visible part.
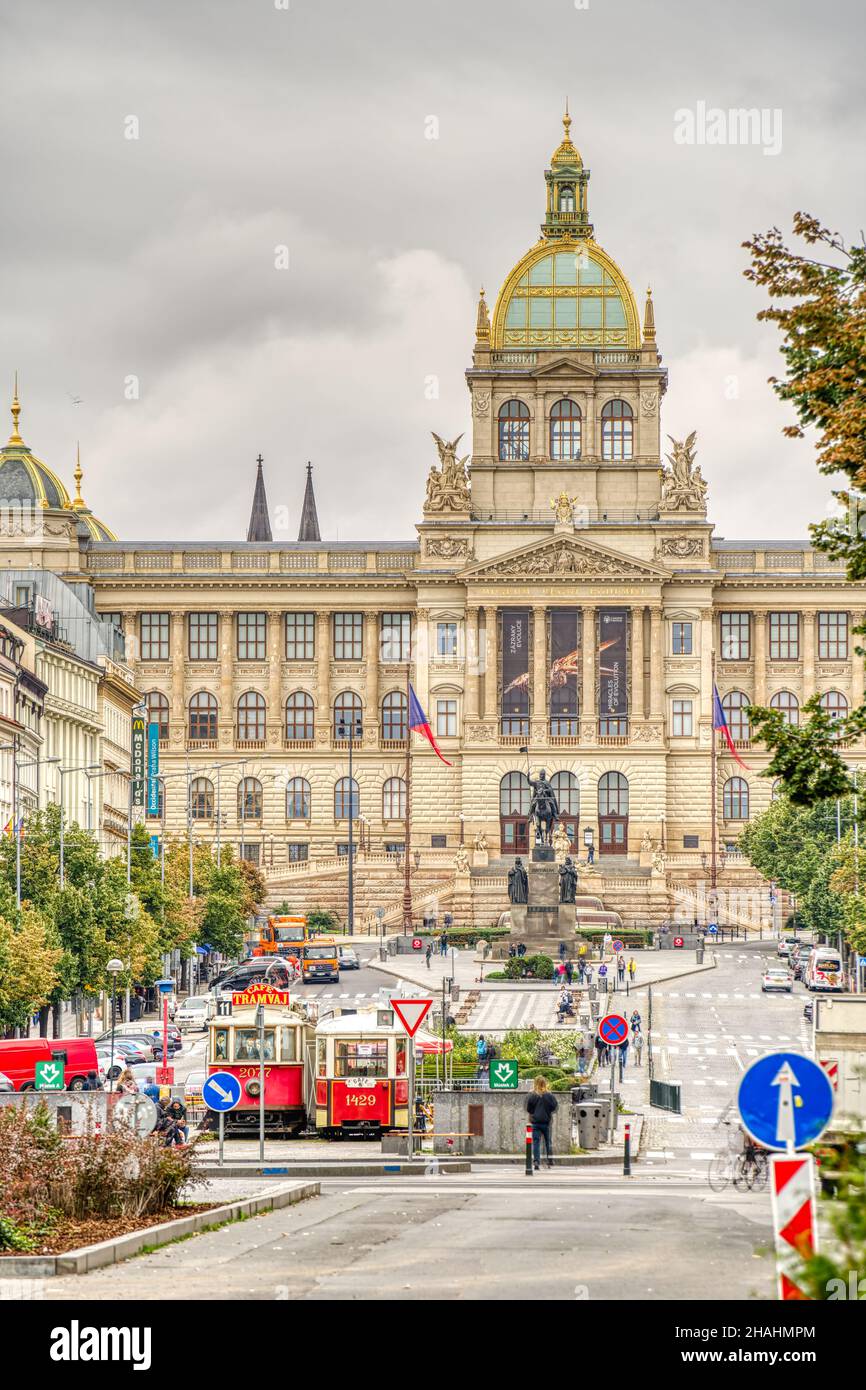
(712, 929)
(792, 1191)
(411, 1013)
(678, 941)
(503, 1076)
(221, 1091)
(136, 1112)
(785, 1100)
(49, 1076)
(613, 1029)
(618, 946)
(417, 943)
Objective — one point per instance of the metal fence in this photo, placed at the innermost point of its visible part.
(667, 1095)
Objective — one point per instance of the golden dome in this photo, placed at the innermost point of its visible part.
(566, 294)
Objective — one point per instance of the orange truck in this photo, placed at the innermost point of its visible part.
(283, 936)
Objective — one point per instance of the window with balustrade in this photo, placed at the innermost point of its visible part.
(348, 716)
(788, 705)
(735, 799)
(252, 715)
(157, 712)
(201, 798)
(203, 714)
(835, 703)
(736, 707)
(300, 717)
(394, 799)
(298, 799)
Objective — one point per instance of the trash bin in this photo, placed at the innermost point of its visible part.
(593, 991)
(581, 1094)
(588, 1126)
(594, 1009)
(699, 955)
(455, 993)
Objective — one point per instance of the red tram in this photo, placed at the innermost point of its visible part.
(234, 1046)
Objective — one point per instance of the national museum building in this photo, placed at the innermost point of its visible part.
(564, 595)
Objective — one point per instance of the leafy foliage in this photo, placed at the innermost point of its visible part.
(796, 846)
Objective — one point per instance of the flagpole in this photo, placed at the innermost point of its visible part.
(713, 792)
(407, 880)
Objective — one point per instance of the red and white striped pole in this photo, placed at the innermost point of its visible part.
(529, 1151)
(792, 1184)
(626, 1154)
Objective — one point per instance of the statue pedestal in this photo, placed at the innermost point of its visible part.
(480, 859)
(543, 921)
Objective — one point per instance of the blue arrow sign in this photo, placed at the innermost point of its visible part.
(221, 1091)
(712, 929)
(785, 1100)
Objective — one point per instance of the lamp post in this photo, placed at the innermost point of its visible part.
(114, 968)
(352, 731)
(462, 827)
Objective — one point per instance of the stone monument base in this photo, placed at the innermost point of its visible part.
(543, 921)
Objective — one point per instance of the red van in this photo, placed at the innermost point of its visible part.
(18, 1058)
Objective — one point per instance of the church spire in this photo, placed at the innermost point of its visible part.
(260, 525)
(309, 527)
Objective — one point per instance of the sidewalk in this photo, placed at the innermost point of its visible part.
(653, 967)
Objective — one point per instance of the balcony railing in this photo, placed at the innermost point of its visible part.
(253, 743)
(299, 745)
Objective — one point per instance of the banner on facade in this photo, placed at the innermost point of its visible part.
(612, 654)
(153, 769)
(515, 661)
(564, 660)
(139, 758)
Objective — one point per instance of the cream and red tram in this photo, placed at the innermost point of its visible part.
(234, 1046)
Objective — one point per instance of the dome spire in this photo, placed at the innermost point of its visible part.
(78, 474)
(482, 322)
(567, 217)
(649, 318)
(15, 437)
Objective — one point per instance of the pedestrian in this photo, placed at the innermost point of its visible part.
(622, 1058)
(91, 1082)
(151, 1089)
(620, 968)
(562, 950)
(581, 1058)
(560, 970)
(632, 968)
(177, 1128)
(521, 949)
(638, 1049)
(127, 1083)
(600, 1048)
(587, 973)
(590, 854)
(602, 977)
(481, 1053)
(581, 969)
(428, 953)
(569, 971)
(443, 944)
(541, 1106)
(634, 1022)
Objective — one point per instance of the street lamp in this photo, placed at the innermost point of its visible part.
(114, 968)
(462, 826)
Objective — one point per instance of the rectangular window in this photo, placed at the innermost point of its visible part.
(735, 637)
(691, 841)
(784, 636)
(113, 619)
(203, 637)
(681, 720)
(252, 636)
(833, 636)
(396, 643)
(438, 841)
(300, 636)
(446, 718)
(681, 639)
(446, 639)
(348, 636)
(298, 853)
(154, 636)
(251, 853)
(394, 846)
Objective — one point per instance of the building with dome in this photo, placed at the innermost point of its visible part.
(564, 604)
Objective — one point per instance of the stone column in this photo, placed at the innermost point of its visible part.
(421, 658)
(857, 671)
(177, 716)
(759, 655)
(323, 677)
(706, 663)
(227, 663)
(275, 721)
(130, 637)
(588, 653)
(470, 664)
(637, 662)
(809, 621)
(657, 664)
(371, 662)
(491, 663)
(539, 663)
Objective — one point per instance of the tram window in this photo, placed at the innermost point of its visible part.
(221, 1045)
(401, 1062)
(247, 1045)
(321, 1050)
(287, 1045)
(361, 1058)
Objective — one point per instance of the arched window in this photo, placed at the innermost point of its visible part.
(348, 718)
(735, 799)
(513, 432)
(514, 795)
(787, 702)
(567, 790)
(613, 794)
(201, 798)
(251, 717)
(777, 789)
(394, 799)
(566, 198)
(250, 799)
(835, 703)
(157, 712)
(346, 795)
(203, 711)
(395, 716)
(298, 799)
(565, 420)
(617, 430)
(736, 706)
(300, 720)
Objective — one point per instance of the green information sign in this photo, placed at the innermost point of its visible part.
(503, 1076)
(49, 1076)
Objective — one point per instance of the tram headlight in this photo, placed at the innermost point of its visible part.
(253, 1088)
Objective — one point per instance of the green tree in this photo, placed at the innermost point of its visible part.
(796, 846)
(29, 960)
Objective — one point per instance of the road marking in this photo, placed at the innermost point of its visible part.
(702, 1153)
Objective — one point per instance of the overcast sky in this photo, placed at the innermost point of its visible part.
(261, 127)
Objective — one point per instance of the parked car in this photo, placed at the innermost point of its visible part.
(18, 1058)
(145, 1042)
(194, 1012)
(5, 1083)
(785, 946)
(348, 958)
(148, 1031)
(192, 1088)
(777, 979)
(808, 1010)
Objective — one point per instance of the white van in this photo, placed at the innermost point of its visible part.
(193, 1013)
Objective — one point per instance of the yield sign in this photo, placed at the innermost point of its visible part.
(411, 1013)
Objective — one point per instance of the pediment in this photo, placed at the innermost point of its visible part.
(565, 557)
(564, 364)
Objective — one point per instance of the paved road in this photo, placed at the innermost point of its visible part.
(496, 1235)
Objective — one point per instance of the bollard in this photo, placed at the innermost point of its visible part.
(626, 1156)
(529, 1151)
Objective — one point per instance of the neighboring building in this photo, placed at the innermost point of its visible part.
(571, 599)
(22, 710)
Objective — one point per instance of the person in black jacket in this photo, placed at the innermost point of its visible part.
(540, 1106)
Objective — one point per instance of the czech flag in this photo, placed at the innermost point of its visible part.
(419, 724)
(721, 723)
